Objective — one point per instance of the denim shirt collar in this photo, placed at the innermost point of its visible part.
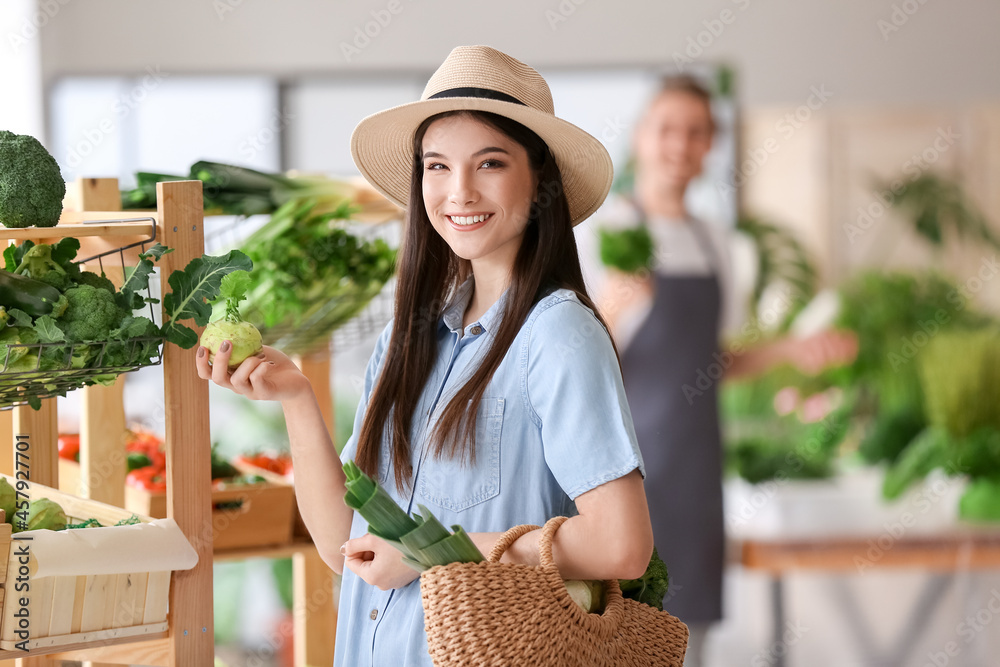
(454, 312)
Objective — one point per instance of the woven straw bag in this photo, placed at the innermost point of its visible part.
(498, 615)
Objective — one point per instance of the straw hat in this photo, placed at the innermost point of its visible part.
(483, 79)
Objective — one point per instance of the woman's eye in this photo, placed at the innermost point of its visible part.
(492, 164)
(433, 166)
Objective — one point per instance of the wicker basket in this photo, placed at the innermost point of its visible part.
(490, 614)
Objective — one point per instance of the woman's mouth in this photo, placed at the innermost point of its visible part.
(469, 222)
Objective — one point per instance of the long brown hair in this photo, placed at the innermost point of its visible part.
(429, 273)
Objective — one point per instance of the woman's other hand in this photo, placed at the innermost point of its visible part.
(377, 562)
(268, 376)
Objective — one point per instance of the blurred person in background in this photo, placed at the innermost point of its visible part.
(668, 323)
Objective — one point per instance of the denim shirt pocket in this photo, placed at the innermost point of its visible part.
(457, 485)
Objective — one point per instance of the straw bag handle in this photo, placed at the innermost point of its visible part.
(505, 541)
(508, 538)
(545, 540)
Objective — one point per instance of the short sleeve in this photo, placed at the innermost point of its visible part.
(575, 394)
(371, 375)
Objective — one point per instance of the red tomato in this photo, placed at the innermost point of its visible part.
(279, 465)
(69, 446)
(149, 478)
(142, 441)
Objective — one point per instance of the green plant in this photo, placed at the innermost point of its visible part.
(960, 371)
(938, 206)
(781, 260)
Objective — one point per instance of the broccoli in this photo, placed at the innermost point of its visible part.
(31, 186)
(94, 280)
(651, 586)
(91, 314)
(37, 263)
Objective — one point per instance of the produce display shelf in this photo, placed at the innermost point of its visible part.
(178, 224)
(112, 244)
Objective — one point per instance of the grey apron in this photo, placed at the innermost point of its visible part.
(668, 368)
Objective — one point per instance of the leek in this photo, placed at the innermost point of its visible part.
(422, 539)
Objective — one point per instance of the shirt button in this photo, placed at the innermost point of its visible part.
(374, 614)
(476, 330)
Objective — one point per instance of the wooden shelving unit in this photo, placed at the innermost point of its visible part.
(177, 223)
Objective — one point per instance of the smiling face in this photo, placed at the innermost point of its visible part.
(478, 187)
(673, 139)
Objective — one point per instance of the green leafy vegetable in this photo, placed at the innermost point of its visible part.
(311, 275)
(234, 190)
(628, 250)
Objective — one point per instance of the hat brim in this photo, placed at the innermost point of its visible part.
(382, 148)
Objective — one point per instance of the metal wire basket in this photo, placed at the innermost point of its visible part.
(61, 373)
(373, 307)
(31, 372)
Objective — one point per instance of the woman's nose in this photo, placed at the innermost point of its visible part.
(462, 190)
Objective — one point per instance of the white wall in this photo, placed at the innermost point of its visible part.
(20, 69)
(943, 53)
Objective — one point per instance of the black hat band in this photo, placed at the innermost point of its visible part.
(477, 92)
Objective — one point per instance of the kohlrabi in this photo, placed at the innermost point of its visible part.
(245, 338)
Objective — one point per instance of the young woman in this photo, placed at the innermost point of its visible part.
(494, 397)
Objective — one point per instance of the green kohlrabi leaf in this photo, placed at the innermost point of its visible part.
(235, 286)
(192, 291)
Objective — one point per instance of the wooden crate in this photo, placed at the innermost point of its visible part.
(264, 516)
(299, 530)
(74, 611)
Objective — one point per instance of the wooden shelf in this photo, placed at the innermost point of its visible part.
(961, 550)
(100, 225)
(84, 640)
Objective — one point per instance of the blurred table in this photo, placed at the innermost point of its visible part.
(943, 555)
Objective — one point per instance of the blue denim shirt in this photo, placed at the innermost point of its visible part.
(553, 424)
